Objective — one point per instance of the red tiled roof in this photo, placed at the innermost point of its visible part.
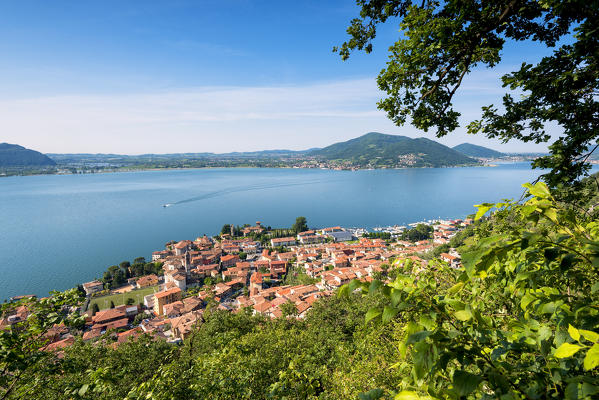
(167, 293)
(181, 245)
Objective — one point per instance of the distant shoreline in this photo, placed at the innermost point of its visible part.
(353, 169)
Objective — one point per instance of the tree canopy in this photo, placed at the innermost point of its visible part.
(442, 42)
(301, 225)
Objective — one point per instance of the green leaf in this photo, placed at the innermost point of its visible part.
(540, 189)
(418, 336)
(455, 288)
(526, 300)
(463, 315)
(389, 313)
(589, 390)
(574, 334)
(591, 360)
(595, 287)
(469, 260)
(455, 304)
(465, 383)
(482, 209)
(528, 209)
(589, 335)
(395, 296)
(343, 291)
(567, 350)
(551, 214)
(374, 286)
(372, 313)
(354, 284)
(571, 392)
(406, 395)
(548, 308)
(83, 389)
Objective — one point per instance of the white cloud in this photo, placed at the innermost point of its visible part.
(88, 122)
(218, 119)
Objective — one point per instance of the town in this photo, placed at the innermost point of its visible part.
(252, 269)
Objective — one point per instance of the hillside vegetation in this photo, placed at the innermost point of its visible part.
(378, 149)
(472, 150)
(12, 155)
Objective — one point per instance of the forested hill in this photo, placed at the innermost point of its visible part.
(378, 149)
(472, 150)
(12, 155)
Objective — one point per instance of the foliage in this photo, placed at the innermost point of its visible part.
(419, 232)
(377, 235)
(330, 354)
(442, 42)
(12, 155)
(378, 149)
(519, 320)
(116, 276)
(118, 299)
(226, 229)
(23, 344)
(300, 225)
(288, 309)
(297, 276)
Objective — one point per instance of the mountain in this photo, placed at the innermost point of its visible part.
(12, 155)
(87, 157)
(378, 149)
(472, 150)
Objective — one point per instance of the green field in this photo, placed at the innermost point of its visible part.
(120, 299)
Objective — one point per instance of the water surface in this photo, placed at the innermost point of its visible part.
(58, 231)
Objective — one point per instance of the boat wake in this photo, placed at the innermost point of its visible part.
(239, 189)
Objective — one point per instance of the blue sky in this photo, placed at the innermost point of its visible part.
(184, 76)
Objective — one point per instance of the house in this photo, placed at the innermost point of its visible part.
(327, 231)
(166, 297)
(182, 326)
(286, 241)
(61, 344)
(110, 315)
(452, 260)
(181, 247)
(229, 260)
(93, 287)
(310, 239)
(256, 281)
(250, 247)
(258, 228)
(222, 290)
(173, 310)
(130, 334)
(278, 268)
(149, 301)
(341, 236)
(148, 280)
(178, 279)
(158, 255)
(204, 271)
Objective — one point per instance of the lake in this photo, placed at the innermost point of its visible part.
(61, 230)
